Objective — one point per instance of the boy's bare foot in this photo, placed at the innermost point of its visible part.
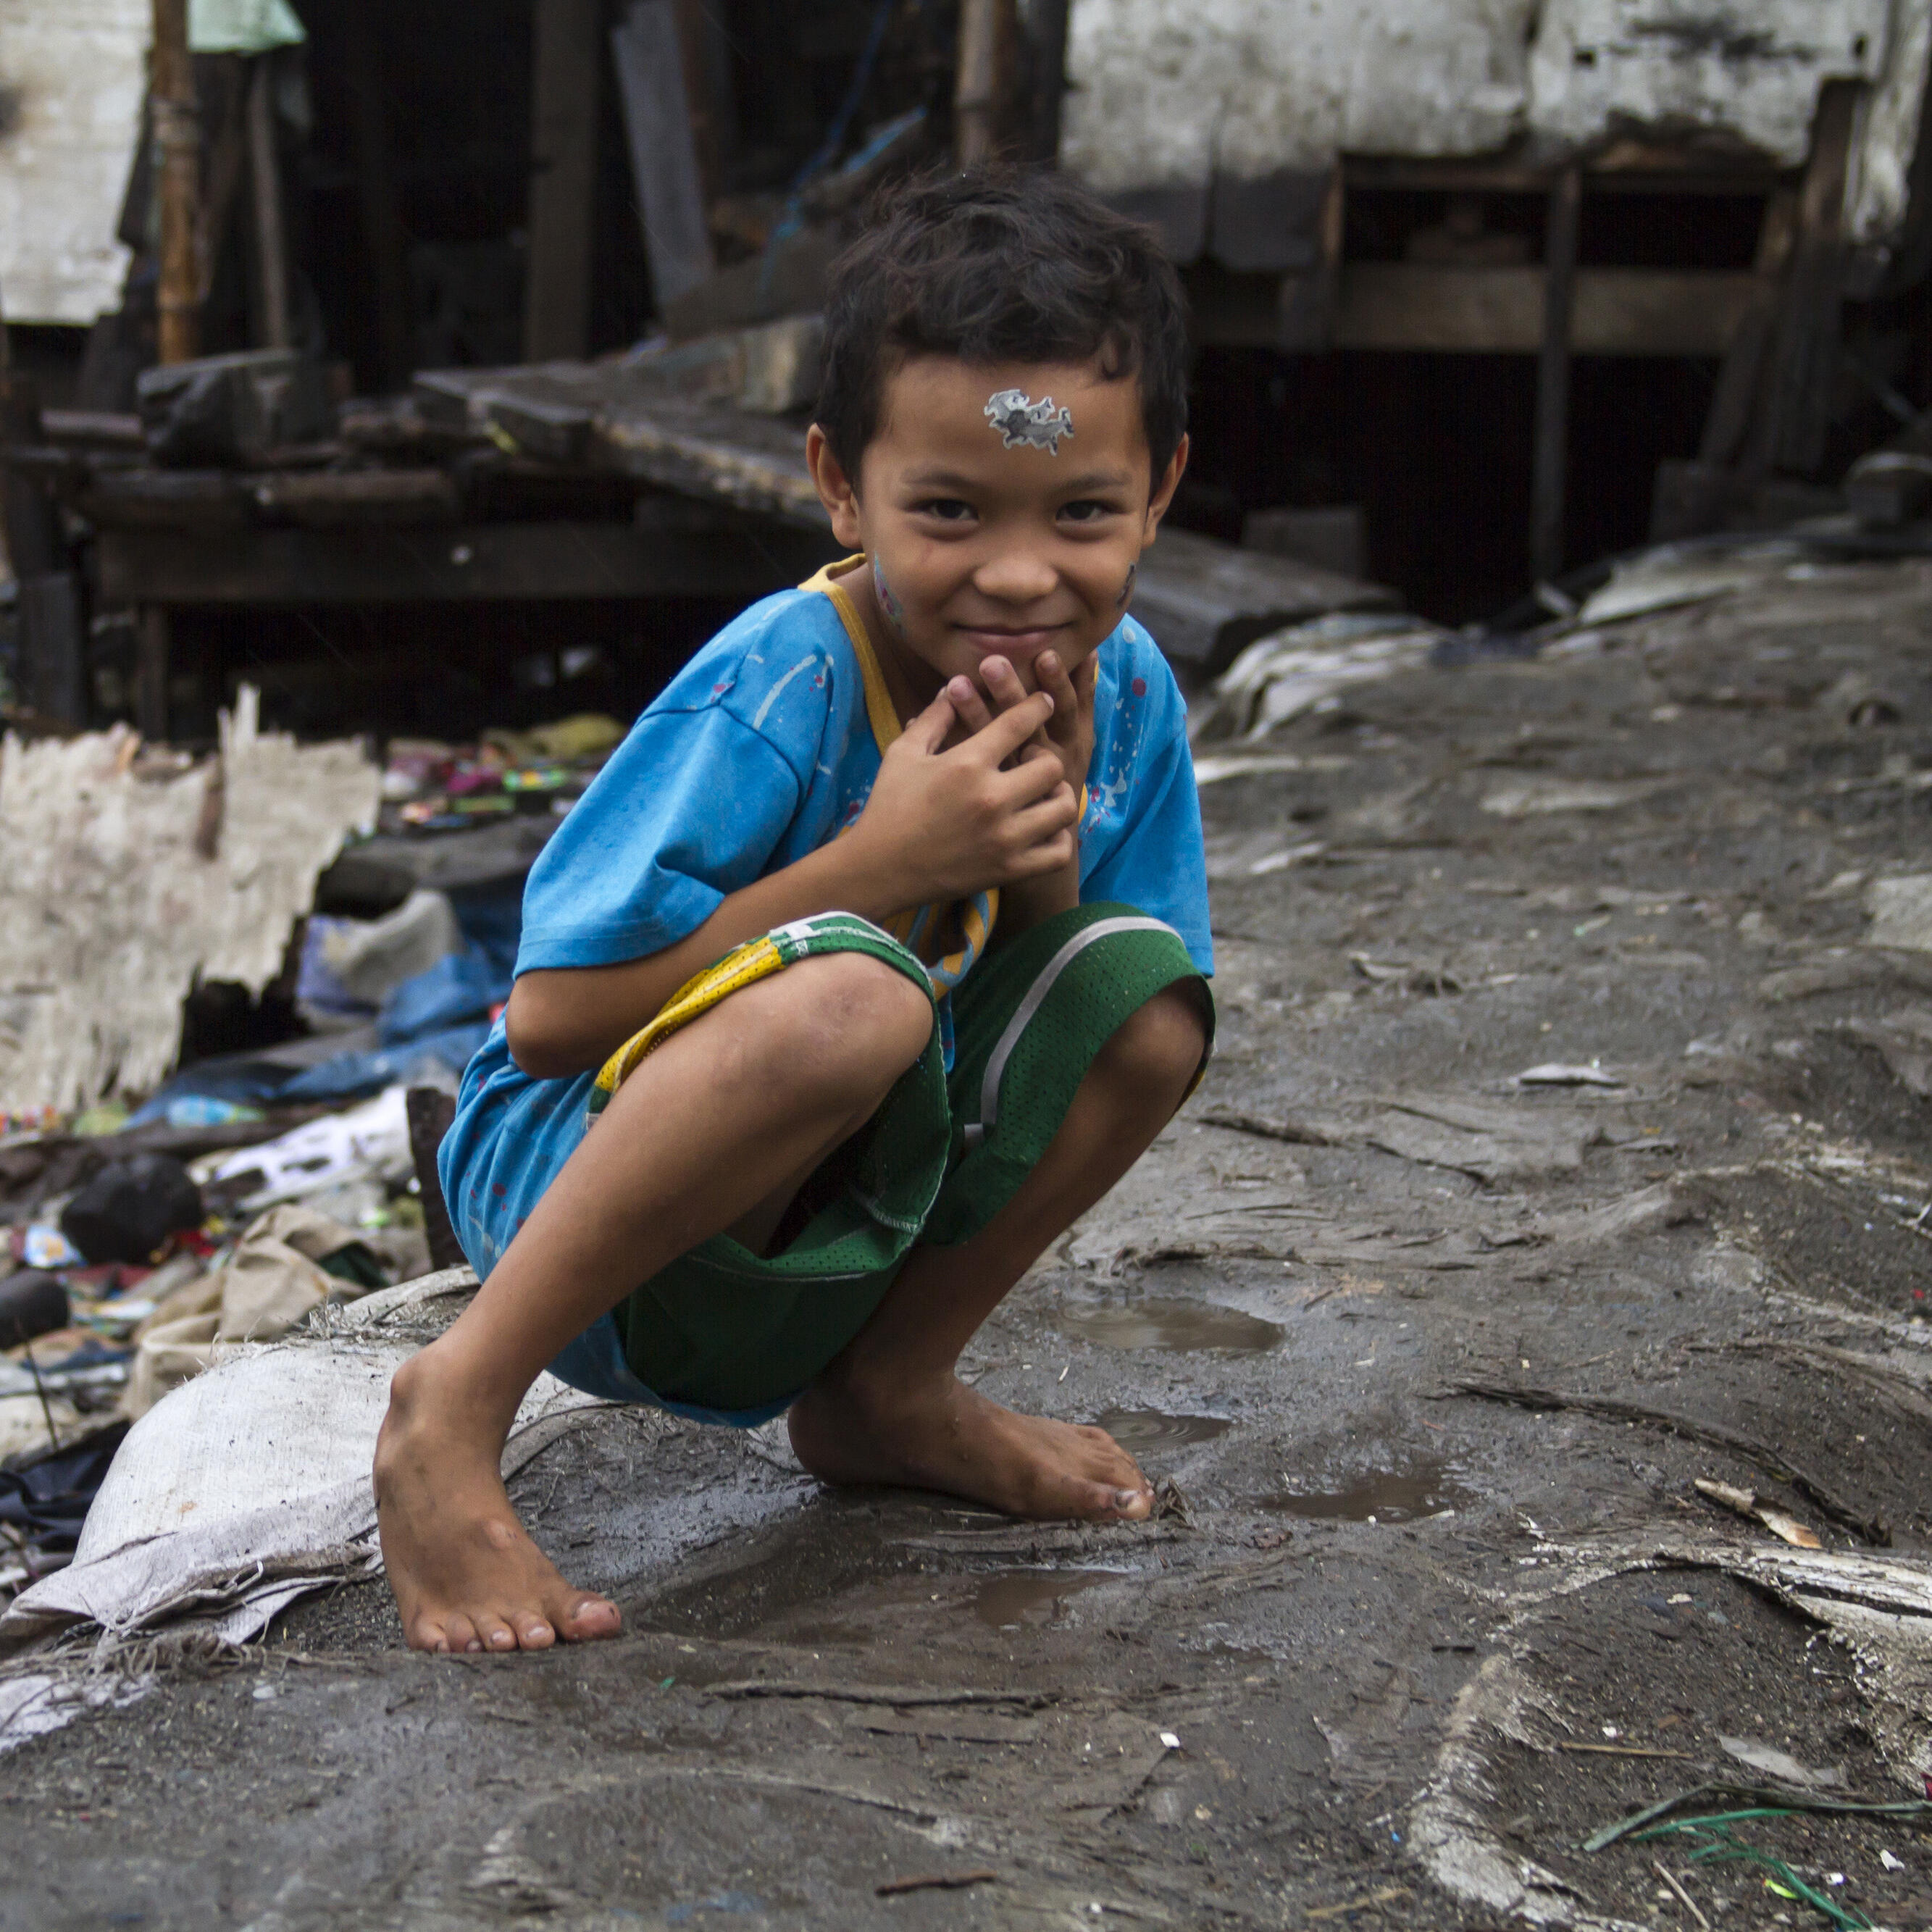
(937, 1434)
(466, 1574)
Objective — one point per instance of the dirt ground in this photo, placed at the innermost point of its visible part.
(1392, 1650)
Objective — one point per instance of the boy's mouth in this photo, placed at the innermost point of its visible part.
(1001, 640)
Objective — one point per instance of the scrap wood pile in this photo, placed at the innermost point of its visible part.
(153, 1221)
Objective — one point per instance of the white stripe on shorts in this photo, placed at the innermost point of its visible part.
(1036, 997)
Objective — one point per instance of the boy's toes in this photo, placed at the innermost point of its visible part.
(586, 1617)
(426, 1633)
(459, 1634)
(492, 1633)
(534, 1632)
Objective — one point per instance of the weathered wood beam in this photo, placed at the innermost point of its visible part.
(1399, 305)
(177, 129)
(540, 561)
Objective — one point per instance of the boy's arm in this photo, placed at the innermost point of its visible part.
(938, 824)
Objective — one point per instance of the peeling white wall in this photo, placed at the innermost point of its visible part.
(1170, 94)
(72, 73)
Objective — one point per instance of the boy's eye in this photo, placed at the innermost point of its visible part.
(1085, 510)
(947, 509)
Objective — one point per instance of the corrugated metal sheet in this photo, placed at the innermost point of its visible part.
(72, 75)
(1179, 104)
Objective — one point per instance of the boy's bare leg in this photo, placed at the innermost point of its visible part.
(890, 1409)
(735, 1109)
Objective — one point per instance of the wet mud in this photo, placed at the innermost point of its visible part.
(1396, 1644)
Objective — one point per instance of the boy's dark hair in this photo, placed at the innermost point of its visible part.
(996, 266)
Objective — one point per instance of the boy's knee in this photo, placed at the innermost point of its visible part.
(1156, 1050)
(859, 1018)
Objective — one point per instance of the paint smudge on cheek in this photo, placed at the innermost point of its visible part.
(894, 609)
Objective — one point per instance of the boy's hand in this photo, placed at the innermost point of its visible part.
(1068, 734)
(940, 824)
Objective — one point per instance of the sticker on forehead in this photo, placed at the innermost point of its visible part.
(1018, 418)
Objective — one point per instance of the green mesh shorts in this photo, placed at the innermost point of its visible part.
(729, 1335)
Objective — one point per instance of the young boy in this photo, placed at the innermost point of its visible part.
(876, 955)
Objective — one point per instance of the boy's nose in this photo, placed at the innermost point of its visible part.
(1016, 577)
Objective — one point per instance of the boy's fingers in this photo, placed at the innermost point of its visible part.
(1003, 681)
(1005, 734)
(1050, 855)
(927, 732)
(1053, 815)
(967, 705)
(1034, 778)
(1054, 681)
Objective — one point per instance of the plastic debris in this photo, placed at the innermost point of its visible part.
(1555, 1073)
(32, 1302)
(43, 1247)
(1743, 1502)
(130, 1208)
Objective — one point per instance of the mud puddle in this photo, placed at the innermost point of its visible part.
(1143, 1429)
(1024, 1599)
(1156, 1322)
(1383, 1496)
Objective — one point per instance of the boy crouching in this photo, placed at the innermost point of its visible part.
(877, 954)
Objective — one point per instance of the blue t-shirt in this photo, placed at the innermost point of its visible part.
(760, 751)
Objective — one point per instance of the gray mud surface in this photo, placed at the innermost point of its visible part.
(1401, 1634)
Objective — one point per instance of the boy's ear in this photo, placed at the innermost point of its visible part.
(1163, 491)
(835, 489)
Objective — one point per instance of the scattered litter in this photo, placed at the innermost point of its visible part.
(250, 1486)
(1762, 1801)
(371, 1142)
(1170, 1741)
(1744, 1503)
(1556, 1073)
(1279, 677)
(1385, 1894)
(1668, 576)
(130, 1208)
(32, 1302)
(1211, 767)
(43, 1247)
(1755, 1755)
(1891, 1861)
(1530, 797)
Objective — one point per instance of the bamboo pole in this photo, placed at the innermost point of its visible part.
(177, 133)
(983, 84)
(264, 173)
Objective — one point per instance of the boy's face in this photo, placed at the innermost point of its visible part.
(1000, 537)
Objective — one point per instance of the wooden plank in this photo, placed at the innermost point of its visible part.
(1201, 599)
(1205, 601)
(542, 561)
(1739, 380)
(664, 161)
(1628, 167)
(1550, 448)
(563, 169)
(1802, 379)
(1401, 305)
